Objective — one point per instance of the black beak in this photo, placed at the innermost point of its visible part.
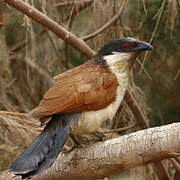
(143, 46)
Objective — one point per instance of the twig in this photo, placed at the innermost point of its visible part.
(178, 2)
(51, 41)
(55, 50)
(107, 24)
(145, 71)
(23, 43)
(175, 164)
(119, 130)
(18, 46)
(154, 32)
(71, 14)
(69, 3)
(37, 68)
(13, 113)
(144, 7)
(177, 74)
(10, 83)
(61, 32)
(77, 9)
(176, 156)
(69, 25)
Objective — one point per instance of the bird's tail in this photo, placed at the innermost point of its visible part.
(44, 149)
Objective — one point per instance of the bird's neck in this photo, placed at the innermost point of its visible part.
(118, 63)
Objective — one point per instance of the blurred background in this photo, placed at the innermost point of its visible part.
(31, 55)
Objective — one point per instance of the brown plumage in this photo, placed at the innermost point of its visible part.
(87, 87)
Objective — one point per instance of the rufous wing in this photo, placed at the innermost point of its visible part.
(84, 88)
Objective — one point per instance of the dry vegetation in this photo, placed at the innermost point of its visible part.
(31, 55)
(16, 133)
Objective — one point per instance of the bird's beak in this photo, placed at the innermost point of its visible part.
(143, 46)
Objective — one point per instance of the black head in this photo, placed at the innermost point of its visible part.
(125, 45)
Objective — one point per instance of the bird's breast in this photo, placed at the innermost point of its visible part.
(90, 121)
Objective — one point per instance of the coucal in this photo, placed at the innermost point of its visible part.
(80, 100)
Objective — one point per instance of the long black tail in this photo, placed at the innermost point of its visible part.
(44, 149)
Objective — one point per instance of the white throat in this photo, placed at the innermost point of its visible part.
(118, 60)
(118, 63)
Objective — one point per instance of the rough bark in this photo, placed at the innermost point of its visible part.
(115, 155)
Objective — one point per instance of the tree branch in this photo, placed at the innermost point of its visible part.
(115, 155)
(107, 24)
(41, 18)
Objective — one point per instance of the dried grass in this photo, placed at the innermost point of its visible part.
(16, 133)
(171, 14)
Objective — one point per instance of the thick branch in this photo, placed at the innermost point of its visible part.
(41, 18)
(115, 155)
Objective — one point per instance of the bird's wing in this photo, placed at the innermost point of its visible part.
(87, 87)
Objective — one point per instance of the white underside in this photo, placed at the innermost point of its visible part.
(90, 121)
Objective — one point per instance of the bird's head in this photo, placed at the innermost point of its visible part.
(125, 49)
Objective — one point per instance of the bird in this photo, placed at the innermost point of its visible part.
(79, 101)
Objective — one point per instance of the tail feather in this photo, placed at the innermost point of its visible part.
(43, 151)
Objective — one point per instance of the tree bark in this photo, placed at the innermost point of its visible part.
(115, 155)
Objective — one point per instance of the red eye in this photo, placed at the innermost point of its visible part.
(125, 46)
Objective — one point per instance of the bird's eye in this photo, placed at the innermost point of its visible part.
(125, 46)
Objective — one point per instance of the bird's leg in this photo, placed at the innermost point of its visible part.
(99, 136)
(76, 142)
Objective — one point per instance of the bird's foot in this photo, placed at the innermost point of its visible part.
(76, 145)
(99, 136)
